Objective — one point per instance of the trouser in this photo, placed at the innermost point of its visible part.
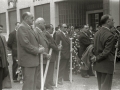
(38, 86)
(63, 70)
(14, 68)
(104, 81)
(31, 75)
(50, 73)
(1, 77)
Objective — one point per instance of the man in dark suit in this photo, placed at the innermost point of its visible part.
(65, 54)
(104, 48)
(54, 56)
(12, 45)
(28, 52)
(3, 58)
(84, 41)
(39, 29)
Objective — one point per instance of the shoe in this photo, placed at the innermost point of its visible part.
(15, 81)
(52, 84)
(49, 87)
(91, 74)
(67, 80)
(60, 82)
(87, 76)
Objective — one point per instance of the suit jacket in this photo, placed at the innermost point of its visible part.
(104, 42)
(53, 45)
(12, 43)
(27, 46)
(65, 52)
(84, 41)
(43, 41)
(3, 52)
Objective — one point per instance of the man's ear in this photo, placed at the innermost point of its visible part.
(26, 17)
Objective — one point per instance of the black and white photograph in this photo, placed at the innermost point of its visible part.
(59, 44)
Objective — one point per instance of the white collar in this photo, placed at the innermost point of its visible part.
(63, 32)
(27, 24)
(106, 28)
(39, 29)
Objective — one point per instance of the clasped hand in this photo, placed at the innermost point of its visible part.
(59, 47)
(93, 59)
(41, 49)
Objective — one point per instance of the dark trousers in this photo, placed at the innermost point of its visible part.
(50, 73)
(14, 68)
(31, 78)
(38, 86)
(104, 81)
(63, 70)
(1, 77)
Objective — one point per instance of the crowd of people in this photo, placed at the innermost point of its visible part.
(92, 50)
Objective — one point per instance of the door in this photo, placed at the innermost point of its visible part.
(12, 20)
(23, 11)
(94, 19)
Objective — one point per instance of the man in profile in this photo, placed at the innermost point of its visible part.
(104, 47)
(39, 29)
(28, 52)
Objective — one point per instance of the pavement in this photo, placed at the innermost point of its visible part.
(79, 83)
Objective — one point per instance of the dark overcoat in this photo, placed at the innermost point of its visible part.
(27, 46)
(53, 45)
(84, 41)
(104, 47)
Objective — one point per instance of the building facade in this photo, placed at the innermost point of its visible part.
(72, 12)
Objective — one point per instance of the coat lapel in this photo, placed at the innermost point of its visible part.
(51, 38)
(3, 40)
(42, 35)
(65, 37)
(31, 30)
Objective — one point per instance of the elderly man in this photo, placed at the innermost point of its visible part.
(28, 52)
(104, 48)
(39, 29)
(54, 56)
(65, 54)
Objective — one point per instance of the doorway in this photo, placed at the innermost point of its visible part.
(93, 18)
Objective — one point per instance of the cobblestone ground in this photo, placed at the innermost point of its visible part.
(79, 83)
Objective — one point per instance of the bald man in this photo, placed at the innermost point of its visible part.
(104, 49)
(39, 29)
(28, 52)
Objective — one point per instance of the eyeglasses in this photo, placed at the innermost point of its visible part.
(65, 27)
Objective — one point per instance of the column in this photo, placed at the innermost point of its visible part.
(52, 12)
(114, 11)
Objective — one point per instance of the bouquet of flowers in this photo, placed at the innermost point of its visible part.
(20, 76)
(76, 64)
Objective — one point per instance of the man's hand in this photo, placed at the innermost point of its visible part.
(48, 56)
(93, 59)
(59, 47)
(116, 46)
(71, 50)
(41, 49)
